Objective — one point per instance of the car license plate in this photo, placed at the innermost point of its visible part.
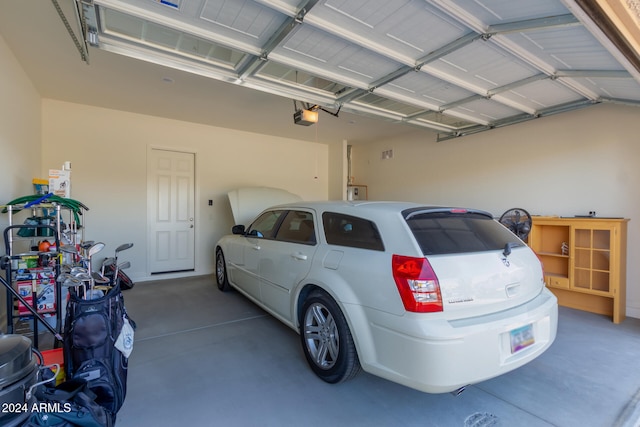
(521, 338)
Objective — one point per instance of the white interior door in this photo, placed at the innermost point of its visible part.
(170, 210)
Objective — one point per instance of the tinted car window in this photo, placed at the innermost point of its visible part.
(265, 224)
(346, 230)
(446, 233)
(297, 227)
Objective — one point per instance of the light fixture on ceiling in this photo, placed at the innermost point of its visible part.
(305, 117)
(307, 114)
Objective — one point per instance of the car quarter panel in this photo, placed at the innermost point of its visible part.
(348, 275)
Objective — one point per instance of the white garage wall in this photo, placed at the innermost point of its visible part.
(19, 140)
(564, 165)
(19, 130)
(107, 150)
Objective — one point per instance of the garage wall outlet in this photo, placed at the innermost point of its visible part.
(210, 202)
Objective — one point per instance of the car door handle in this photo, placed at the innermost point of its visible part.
(299, 256)
(256, 247)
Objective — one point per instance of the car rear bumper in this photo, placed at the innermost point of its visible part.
(435, 355)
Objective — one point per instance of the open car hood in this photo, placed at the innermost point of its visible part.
(248, 202)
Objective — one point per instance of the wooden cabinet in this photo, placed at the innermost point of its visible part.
(584, 261)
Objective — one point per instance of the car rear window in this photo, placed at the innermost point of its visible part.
(347, 230)
(458, 232)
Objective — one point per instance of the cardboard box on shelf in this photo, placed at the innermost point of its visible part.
(28, 261)
(60, 182)
(45, 295)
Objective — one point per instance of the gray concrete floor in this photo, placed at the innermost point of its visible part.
(206, 358)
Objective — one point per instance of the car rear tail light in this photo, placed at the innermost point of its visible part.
(417, 283)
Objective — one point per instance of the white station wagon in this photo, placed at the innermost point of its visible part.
(433, 298)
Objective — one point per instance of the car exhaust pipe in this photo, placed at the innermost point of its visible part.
(459, 391)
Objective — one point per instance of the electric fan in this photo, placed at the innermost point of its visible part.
(518, 221)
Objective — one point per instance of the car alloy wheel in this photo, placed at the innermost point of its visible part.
(221, 271)
(326, 339)
(322, 336)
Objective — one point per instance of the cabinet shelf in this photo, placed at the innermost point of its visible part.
(552, 254)
(592, 274)
(595, 270)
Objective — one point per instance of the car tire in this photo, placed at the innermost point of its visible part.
(326, 339)
(221, 271)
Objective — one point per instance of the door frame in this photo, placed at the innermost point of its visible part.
(196, 209)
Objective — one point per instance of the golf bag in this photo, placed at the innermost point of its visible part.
(123, 280)
(98, 338)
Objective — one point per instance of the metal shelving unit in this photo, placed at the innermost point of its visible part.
(30, 274)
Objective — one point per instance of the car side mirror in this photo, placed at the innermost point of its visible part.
(237, 229)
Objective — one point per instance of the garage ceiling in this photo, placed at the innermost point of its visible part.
(455, 67)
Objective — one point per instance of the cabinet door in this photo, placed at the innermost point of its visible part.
(592, 259)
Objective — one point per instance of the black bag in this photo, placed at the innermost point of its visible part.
(71, 403)
(91, 330)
